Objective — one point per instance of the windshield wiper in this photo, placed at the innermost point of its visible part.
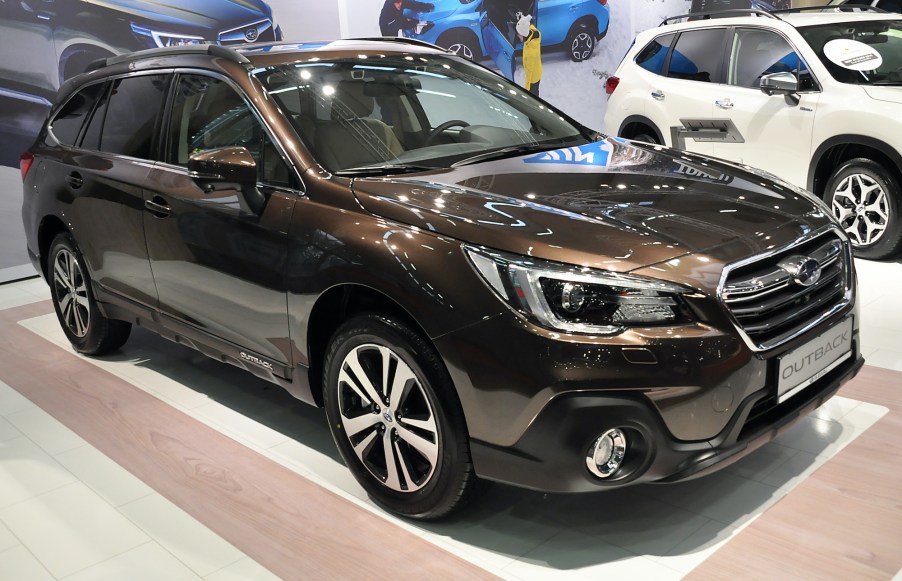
(507, 152)
(384, 169)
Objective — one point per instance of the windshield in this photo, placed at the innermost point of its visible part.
(859, 52)
(410, 112)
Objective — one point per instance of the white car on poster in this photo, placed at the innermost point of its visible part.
(812, 97)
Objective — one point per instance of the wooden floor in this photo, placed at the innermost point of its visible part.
(845, 521)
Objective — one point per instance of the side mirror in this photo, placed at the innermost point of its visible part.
(779, 83)
(224, 164)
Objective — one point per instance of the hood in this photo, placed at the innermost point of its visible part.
(608, 204)
(192, 14)
(888, 94)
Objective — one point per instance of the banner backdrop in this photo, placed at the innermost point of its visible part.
(572, 46)
(581, 41)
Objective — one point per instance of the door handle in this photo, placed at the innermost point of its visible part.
(158, 207)
(658, 94)
(724, 103)
(75, 180)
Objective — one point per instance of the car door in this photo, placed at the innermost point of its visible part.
(680, 102)
(218, 254)
(100, 177)
(773, 131)
(498, 23)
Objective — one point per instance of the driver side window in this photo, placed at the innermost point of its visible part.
(207, 113)
(756, 53)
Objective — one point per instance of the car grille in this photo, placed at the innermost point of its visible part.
(261, 31)
(770, 305)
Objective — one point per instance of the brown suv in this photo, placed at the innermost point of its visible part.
(471, 283)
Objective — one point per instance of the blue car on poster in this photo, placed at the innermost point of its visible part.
(484, 28)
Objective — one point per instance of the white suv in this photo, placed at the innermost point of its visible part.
(815, 98)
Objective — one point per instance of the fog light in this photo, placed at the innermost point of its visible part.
(606, 453)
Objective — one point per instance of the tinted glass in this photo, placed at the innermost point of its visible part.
(208, 113)
(872, 43)
(435, 112)
(67, 123)
(890, 5)
(132, 115)
(697, 55)
(652, 56)
(91, 139)
(756, 53)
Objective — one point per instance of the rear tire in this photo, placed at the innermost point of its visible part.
(864, 197)
(396, 419)
(646, 137)
(461, 43)
(87, 329)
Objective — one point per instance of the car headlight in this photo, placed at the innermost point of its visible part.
(579, 300)
(158, 38)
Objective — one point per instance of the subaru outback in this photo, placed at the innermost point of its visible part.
(473, 285)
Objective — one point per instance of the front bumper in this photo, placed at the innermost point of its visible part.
(535, 401)
(551, 455)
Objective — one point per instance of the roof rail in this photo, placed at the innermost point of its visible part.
(833, 8)
(720, 14)
(208, 49)
(402, 40)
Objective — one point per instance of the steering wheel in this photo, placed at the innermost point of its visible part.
(441, 129)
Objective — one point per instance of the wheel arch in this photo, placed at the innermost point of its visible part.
(460, 33)
(841, 148)
(335, 306)
(630, 127)
(589, 21)
(76, 57)
(51, 226)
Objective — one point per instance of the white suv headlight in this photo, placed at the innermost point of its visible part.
(579, 300)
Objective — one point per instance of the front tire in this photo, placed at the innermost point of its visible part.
(87, 329)
(580, 42)
(864, 197)
(395, 418)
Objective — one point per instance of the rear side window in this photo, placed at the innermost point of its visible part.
(67, 123)
(652, 57)
(698, 55)
(132, 115)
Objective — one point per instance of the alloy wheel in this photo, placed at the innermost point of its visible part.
(461, 49)
(582, 46)
(387, 417)
(71, 292)
(862, 207)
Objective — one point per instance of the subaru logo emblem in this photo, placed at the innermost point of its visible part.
(251, 34)
(387, 415)
(804, 270)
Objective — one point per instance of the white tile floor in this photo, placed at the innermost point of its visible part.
(50, 478)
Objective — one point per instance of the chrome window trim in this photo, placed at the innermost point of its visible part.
(277, 142)
(839, 306)
(820, 86)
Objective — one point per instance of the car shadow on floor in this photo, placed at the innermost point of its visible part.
(673, 525)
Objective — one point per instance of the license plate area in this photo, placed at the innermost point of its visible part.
(806, 364)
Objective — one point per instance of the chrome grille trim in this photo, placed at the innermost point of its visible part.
(236, 35)
(766, 305)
